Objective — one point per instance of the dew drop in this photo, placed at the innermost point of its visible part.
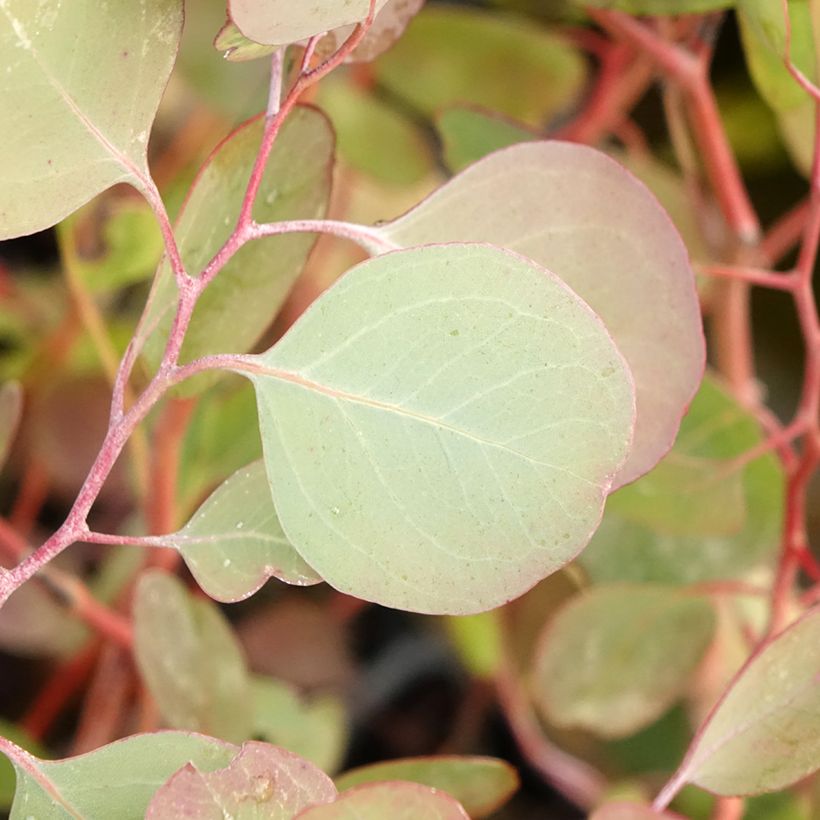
(226, 563)
(240, 524)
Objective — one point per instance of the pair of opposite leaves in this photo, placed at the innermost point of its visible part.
(442, 427)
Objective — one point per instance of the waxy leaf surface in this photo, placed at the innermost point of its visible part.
(628, 263)
(117, 780)
(190, 659)
(80, 87)
(765, 733)
(252, 286)
(396, 800)
(280, 22)
(262, 781)
(234, 541)
(688, 538)
(615, 658)
(480, 784)
(441, 427)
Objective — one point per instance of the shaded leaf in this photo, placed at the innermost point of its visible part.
(469, 134)
(236, 47)
(716, 429)
(11, 410)
(628, 811)
(398, 801)
(117, 780)
(451, 55)
(451, 477)
(190, 659)
(8, 779)
(628, 263)
(764, 734)
(261, 781)
(80, 89)
(479, 641)
(615, 658)
(234, 541)
(282, 22)
(660, 7)
(250, 289)
(480, 784)
(315, 729)
(373, 136)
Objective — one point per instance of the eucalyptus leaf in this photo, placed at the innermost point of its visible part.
(190, 659)
(396, 800)
(80, 89)
(234, 541)
(628, 811)
(690, 539)
(117, 780)
(441, 427)
(615, 658)
(262, 781)
(236, 47)
(764, 734)
(280, 22)
(480, 784)
(314, 728)
(628, 263)
(660, 7)
(453, 55)
(250, 289)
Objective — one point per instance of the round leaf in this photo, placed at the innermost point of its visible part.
(627, 262)
(615, 658)
(80, 87)
(441, 427)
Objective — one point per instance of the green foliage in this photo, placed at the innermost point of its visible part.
(398, 481)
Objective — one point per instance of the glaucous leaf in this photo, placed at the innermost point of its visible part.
(764, 734)
(396, 800)
(660, 7)
(315, 729)
(629, 811)
(11, 410)
(638, 543)
(117, 780)
(280, 22)
(252, 286)
(469, 134)
(441, 427)
(628, 263)
(615, 658)
(236, 47)
(453, 55)
(234, 541)
(480, 784)
(190, 659)
(80, 89)
(262, 781)
(373, 136)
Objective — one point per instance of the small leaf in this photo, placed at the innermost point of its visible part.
(373, 136)
(234, 541)
(190, 659)
(280, 22)
(398, 801)
(629, 811)
(236, 47)
(251, 288)
(454, 56)
(615, 658)
(117, 780)
(628, 263)
(80, 89)
(764, 734)
(637, 542)
(430, 432)
(314, 729)
(11, 410)
(470, 134)
(480, 784)
(261, 781)
(479, 641)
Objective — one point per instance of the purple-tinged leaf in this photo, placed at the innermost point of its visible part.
(261, 781)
